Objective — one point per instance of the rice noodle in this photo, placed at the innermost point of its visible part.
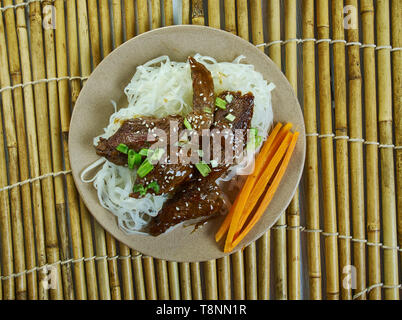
(159, 88)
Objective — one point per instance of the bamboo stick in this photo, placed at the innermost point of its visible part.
(185, 14)
(185, 281)
(106, 35)
(124, 250)
(210, 271)
(341, 129)
(94, 30)
(230, 16)
(274, 29)
(74, 203)
(117, 22)
(356, 155)
(238, 275)
(168, 11)
(112, 267)
(292, 212)
(85, 62)
(312, 193)
(197, 12)
(237, 258)
(30, 119)
(54, 116)
(250, 251)
(386, 154)
(372, 183)
(211, 287)
(330, 227)
(126, 272)
(174, 283)
(138, 275)
(278, 230)
(1, 289)
(129, 15)
(16, 77)
(5, 221)
(142, 16)
(155, 14)
(136, 256)
(214, 17)
(224, 285)
(242, 19)
(195, 281)
(162, 279)
(16, 146)
(251, 272)
(72, 40)
(264, 266)
(78, 221)
(102, 266)
(149, 275)
(397, 81)
(42, 118)
(161, 266)
(257, 30)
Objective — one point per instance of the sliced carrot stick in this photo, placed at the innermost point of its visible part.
(269, 195)
(259, 166)
(265, 177)
(278, 140)
(238, 216)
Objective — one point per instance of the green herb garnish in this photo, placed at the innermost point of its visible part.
(145, 168)
(122, 148)
(203, 168)
(187, 124)
(220, 103)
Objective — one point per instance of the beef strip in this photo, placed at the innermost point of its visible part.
(242, 108)
(193, 200)
(203, 96)
(167, 176)
(134, 134)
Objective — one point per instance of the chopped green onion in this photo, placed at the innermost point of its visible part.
(154, 185)
(254, 131)
(203, 168)
(258, 140)
(145, 168)
(214, 163)
(220, 103)
(254, 142)
(144, 152)
(122, 148)
(131, 158)
(156, 155)
(140, 189)
(187, 124)
(230, 117)
(229, 98)
(200, 153)
(207, 110)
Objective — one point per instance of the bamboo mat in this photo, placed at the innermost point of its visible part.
(345, 223)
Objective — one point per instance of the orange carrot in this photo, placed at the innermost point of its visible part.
(244, 194)
(268, 196)
(259, 166)
(265, 177)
